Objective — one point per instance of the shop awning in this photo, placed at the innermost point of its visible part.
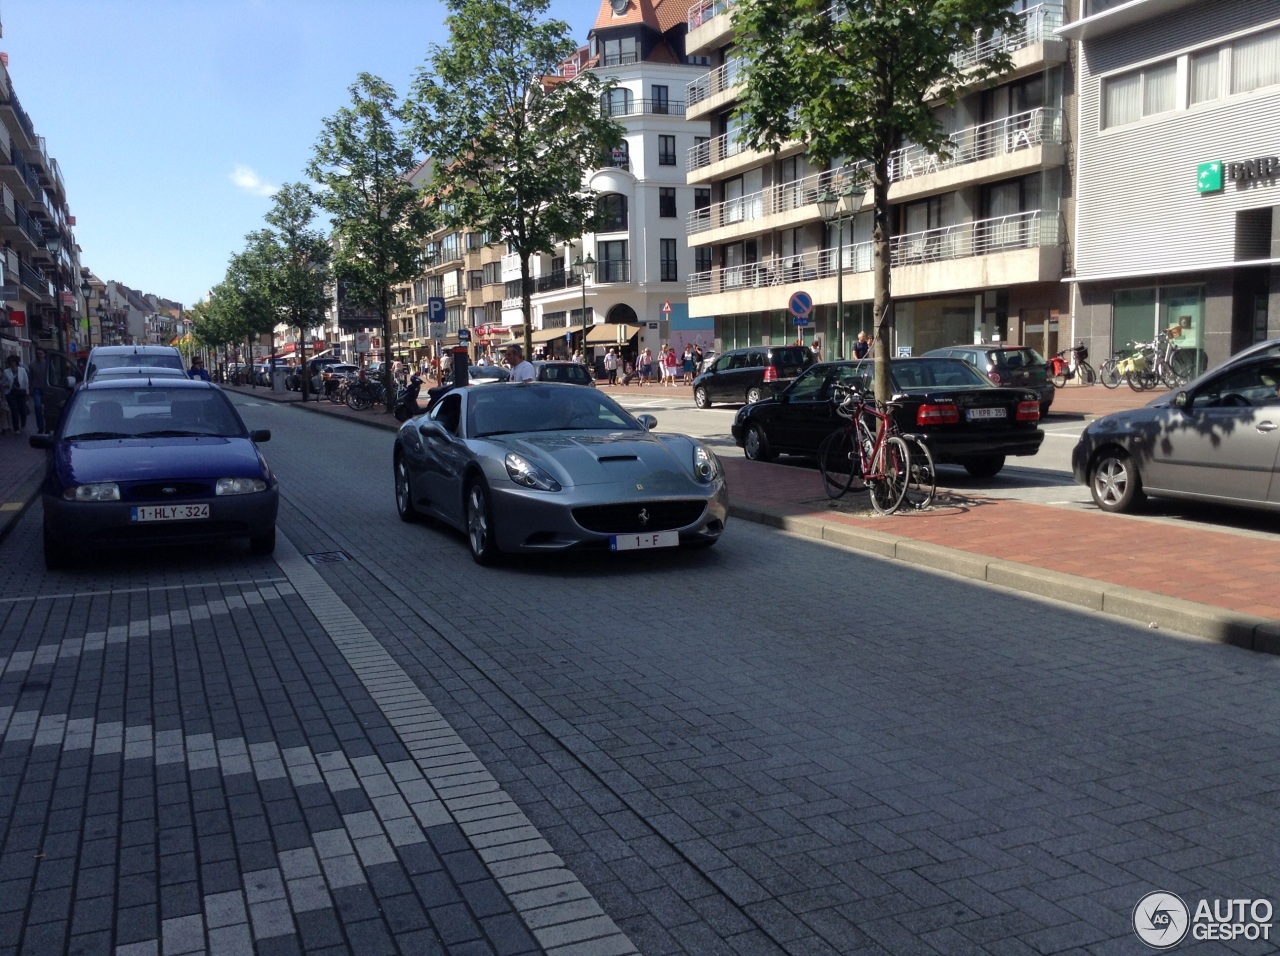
(542, 335)
(610, 333)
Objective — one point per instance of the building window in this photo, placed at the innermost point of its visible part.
(1204, 77)
(667, 202)
(660, 97)
(616, 102)
(1255, 61)
(621, 50)
(1146, 92)
(701, 197)
(666, 150)
(667, 256)
(612, 264)
(475, 280)
(611, 213)
(702, 259)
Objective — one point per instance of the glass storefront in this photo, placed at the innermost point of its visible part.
(1139, 314)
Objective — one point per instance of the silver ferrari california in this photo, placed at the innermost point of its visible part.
(539, 467)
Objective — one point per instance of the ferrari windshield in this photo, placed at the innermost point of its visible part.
(536, 407)
(151, 412)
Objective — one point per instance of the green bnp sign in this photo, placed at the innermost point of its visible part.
(1209, 178)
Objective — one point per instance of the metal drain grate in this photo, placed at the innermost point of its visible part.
(329, 557)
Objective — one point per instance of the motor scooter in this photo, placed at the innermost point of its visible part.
(407, 403)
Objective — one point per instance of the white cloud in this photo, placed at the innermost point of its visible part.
(251, 182)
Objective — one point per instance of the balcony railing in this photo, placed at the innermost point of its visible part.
(620, 59)
(23, 119)
(714, 150)
(33, 279)
(1038, 24)
(717, 81)
(613, 270)
(1024, 230)
(774, 199)
(28, 225)
(642, 107)
(1021, 131)
(704, 10)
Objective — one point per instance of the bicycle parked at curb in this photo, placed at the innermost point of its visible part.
(1145, 365)
(1071, 363)
(879, 457)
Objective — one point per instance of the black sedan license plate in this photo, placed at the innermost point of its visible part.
(169, 512)
(975, 413)
(658, 539)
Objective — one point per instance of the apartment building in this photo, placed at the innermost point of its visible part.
(40, 276)
(1178, 173)
(635, 298)
(980, 230)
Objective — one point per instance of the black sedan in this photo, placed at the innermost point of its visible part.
(964, 418)
(153, 461)
(1217, 440)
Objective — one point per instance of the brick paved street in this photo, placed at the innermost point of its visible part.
(366, 744)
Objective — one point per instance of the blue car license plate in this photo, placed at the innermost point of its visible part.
(656, 539)
(169, 512)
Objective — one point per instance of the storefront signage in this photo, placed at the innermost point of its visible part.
(1213, 177)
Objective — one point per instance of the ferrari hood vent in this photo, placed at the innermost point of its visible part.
(619, 458)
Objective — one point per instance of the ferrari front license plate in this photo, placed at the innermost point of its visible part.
(169, 512)
(986, 413)
(657, 539)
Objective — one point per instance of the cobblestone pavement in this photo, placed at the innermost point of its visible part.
(366, 744)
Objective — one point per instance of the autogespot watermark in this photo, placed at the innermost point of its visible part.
(1162, 920)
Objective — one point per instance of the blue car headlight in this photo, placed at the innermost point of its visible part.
(239, 486)
(528, 475)
(101, 491)
(705, 466)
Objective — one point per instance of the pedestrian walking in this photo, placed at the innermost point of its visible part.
(197, 369)
(38, 373)
(521, 370)
(17, 388)
(644, 366)
(862, 346)
(611, 365)
(670, 362)
(686, 365)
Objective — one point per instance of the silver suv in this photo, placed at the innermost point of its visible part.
(136, 356)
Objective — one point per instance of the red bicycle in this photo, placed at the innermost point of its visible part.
(874, 453)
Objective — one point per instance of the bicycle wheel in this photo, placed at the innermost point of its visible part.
(1059, 380)
(1086, 374)
(922, 484)
(838, 462)
(891, 470)
(1108, 375)
(358, 399)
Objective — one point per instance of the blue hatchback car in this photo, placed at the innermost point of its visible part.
(152, 461)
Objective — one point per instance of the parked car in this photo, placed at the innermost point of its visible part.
(1216, 440)
(314, 366)
(138, 371)
(476, 375)
(152, 461)
(750, 374)
(1015, 365)
(541, 467)
(571, 373)
(114, 356)
(963, 417)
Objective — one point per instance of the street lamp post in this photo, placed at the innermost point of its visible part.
(839, 208)
(101, 311)
(86, 290)
(586, 267)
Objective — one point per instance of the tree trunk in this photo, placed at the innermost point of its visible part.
(384, 300)
(526, 305)
(882, 316)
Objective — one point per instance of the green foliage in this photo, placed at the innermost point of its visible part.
(362, 163)
(511, 145)
(853, 78)
(297, 256)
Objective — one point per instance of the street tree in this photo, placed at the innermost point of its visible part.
(362, 163)
(296, 256)
(241, 303)
(854, 79)
(510, 142)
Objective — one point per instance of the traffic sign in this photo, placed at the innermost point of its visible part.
(801, 304)
(435, 308)
(801, 322)
(666, 308)
(437, 331)
(464, 335)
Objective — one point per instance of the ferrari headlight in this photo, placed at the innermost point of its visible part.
(705, 466)
(239, 486)
(523, 472)
(102, 491)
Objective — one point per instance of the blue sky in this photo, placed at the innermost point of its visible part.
(172, 119)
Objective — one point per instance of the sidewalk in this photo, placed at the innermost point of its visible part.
(1196, 580)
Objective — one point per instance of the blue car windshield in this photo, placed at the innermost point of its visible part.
(150, 412)
(510, 409)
